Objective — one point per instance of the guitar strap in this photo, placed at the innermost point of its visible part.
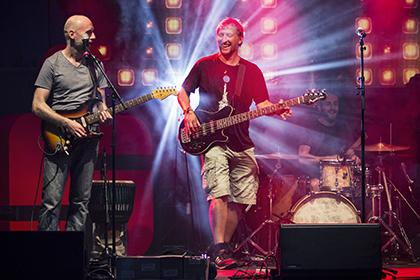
(240, 80)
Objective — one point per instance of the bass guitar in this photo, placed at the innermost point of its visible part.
(214, 123)
(58, 140)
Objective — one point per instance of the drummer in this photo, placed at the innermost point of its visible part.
(328, 139)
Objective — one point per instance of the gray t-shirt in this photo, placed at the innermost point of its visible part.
(70, 86)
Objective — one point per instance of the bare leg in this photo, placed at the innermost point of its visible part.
(218, 213)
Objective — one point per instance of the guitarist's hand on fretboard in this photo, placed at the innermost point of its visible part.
(105, 119)
(285, 112)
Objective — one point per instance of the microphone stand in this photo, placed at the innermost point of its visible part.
(360, 32)
(113, 97)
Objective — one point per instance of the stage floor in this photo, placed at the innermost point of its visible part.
(405, 271)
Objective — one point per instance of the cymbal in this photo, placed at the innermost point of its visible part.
(381, 147)
(279, 156)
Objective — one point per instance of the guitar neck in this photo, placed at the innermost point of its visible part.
(94, 118)
(243, 117)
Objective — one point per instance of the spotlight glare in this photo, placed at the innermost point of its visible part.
(173, 25)
(408, 73)
(270, 77)
(173, 4)
(149, 77)
(368, 76)
(388, 77)
(247, 51)
(268, 3)
(269, 51)
(149, 53)
(173, 51)
(149, 4)
(126, 77)
(410, 25)
(268, 25)
(149, 27)
(365, 23)
(367, 54)
(410, 4)
(410, 51)
(105, 51)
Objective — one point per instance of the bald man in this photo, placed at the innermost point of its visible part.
(65, 84)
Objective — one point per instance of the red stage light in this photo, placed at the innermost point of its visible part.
(365, 23)
(410, 25)
(387, 51)
(388, 77)
(368, 76)
(408, 73)
(173, 25)
(367, 54)
(173, 51)
(247, 51)
(150, 28)
(269, 51)
(410, 51)
(173, 4)
(410, 4)
(149, 77)
(126, 77)
(268, 25)
(149, 4)
(149, 53)
(105, 50)
(268, 3)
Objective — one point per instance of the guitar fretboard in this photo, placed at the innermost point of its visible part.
(243, 117)
(94, 118)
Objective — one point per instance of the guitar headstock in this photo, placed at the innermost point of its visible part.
(162, 93)
(313, 95)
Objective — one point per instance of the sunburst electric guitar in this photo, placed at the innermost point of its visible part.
(213, 123)
(58, 140)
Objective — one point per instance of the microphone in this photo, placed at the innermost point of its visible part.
(409, 181)
(85, 39)
(360, 32)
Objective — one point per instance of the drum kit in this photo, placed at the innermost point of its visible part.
(289, 199)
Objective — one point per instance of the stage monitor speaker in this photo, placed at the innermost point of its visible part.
(42, 255)
(330, 251)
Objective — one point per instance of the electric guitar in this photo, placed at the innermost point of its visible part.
(213, 123)
(58, 140)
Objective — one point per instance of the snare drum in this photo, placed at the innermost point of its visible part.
(324, 207)
(337, 176)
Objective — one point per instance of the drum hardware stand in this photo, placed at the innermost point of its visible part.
(269, 222)
(406, 244)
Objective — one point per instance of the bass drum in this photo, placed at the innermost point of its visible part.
(324, 208)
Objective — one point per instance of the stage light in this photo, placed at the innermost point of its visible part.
(149, 77)
(408, 73)
(173, 4)
(388, 77)
(410, 51)
(367, 54)
(247, 51)
(410, 4)
(268, 25)
(387, 51)
(269, 51)
(410, 25)
(270, 77)
(149, 53)
(173, 25)
(368, 76)
(105, 50)
(365, 23)
(173, 51)
(268, 3)
(149, 27)
(126, 77)
(149, 4)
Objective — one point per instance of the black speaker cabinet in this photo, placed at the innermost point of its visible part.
(330, 251)
(42, 255)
